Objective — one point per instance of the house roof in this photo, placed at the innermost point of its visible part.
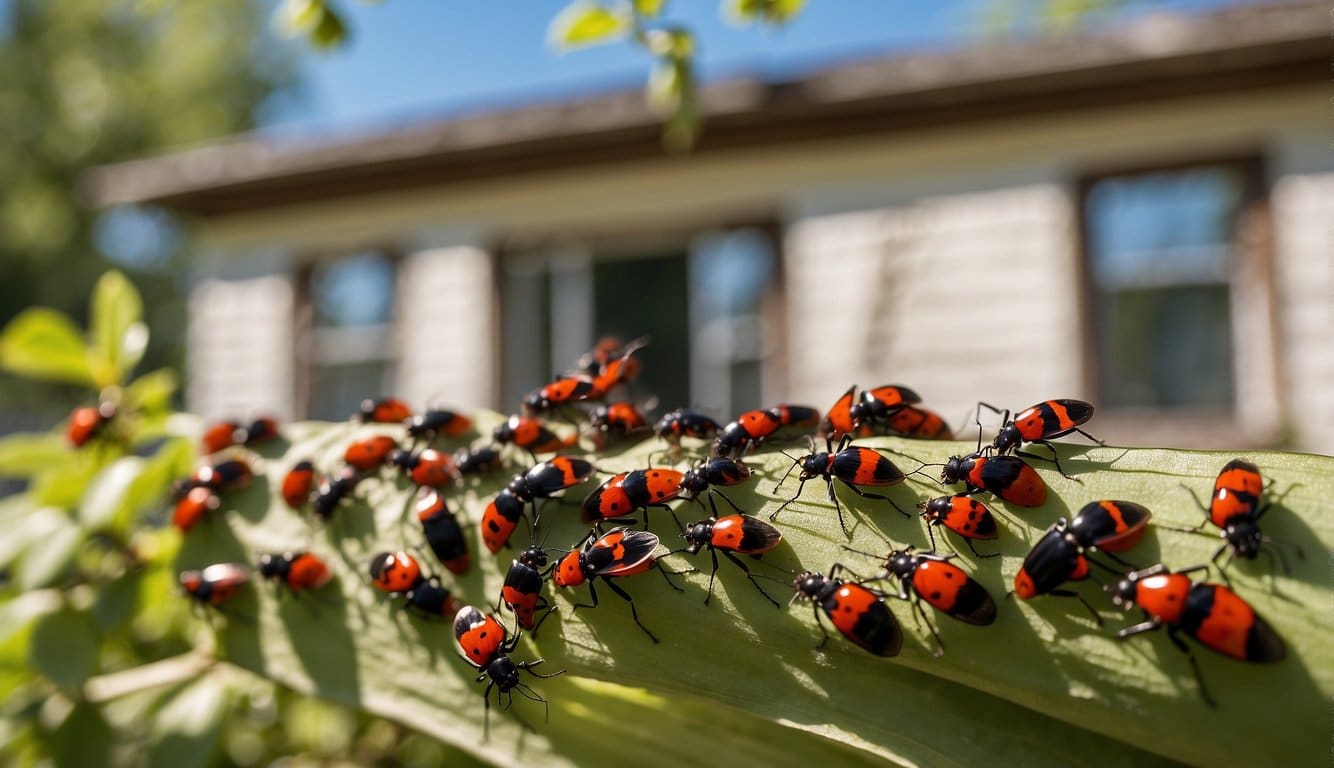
(1158, 57)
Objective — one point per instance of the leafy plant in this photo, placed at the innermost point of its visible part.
(98, 651)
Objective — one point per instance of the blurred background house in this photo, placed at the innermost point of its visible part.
(1139, 216)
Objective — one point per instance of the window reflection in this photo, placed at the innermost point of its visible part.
(1160, 259)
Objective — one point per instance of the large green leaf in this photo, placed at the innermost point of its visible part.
(45, 344)
(118, 333)
(28, 453)
(1042, 686)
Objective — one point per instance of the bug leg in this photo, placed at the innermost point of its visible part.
(550, 609)
(713, 553)
(634, 614)
(921, 613)
(973, 549)
(834, 498)
(824, 633)
(723, 496)
(666, 574)
(1222, 569)
(1194, 666)
(1080, 598)
(592, 594)
(1055, 459)
(868, 495)
(774, 515)
(1091, 437)
(749, 575)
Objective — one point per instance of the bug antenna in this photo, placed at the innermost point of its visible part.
(871, 555)
(795, 463)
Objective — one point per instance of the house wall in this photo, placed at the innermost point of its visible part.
(947, 260)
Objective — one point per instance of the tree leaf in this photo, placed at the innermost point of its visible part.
(28, 453)
(45, 344)
(186, 729)
(118, 333)
(151, 392)
(53, 540)
(64, 648)
(1042, 686)
(649, 8)
(775, 12)
(83, 740)
(584, 23)
(106, 493)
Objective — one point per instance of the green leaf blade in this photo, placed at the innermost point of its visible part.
(1043, 685)
(584, 23)
(45, 344)
(119, 336)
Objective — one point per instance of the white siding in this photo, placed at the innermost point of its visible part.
(944, 294)
(445, 317)
(1304, 225)
(240, 350)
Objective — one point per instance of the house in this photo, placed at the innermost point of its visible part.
(1140, 216)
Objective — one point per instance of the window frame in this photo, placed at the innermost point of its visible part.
(1254, 417)
(305, 351)
(630, 242)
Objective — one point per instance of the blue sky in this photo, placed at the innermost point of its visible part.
(411, 60)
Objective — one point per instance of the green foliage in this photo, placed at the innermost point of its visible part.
(87, 82)
(1043, 686)
(584, 23)
(100, 659)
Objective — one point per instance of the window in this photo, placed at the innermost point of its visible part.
(699, 299)
(344, 335)
(1163, 254)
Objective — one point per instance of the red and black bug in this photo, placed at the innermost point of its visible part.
(1007, 477)
(1211, 613)
(740, 534)
(442, 530)
(1061, 554)
(617, 553)
(437, 422)
(541, 481)
(529, 434)
(221, 435)
(399, 574)
(522, 591)
(386, 410)
(680, 423)
(1235, 509)
(851, 415)
(299, 571)
(857, 611)
(1040, 423)
(620, 369)
(617, 420)
(920, 423)
(962, 514)
(851, 465)
(754, 427)
(477, 460)
(483, 641)
(371, 452)
(622, 494)
(333, 492)
(228, 475)
(593, 362)
(298, 484)
(709, 474)
(427, 468)
(215, 584)
(947, 587)
(193, 507)
(87, 422)
(559, 393)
